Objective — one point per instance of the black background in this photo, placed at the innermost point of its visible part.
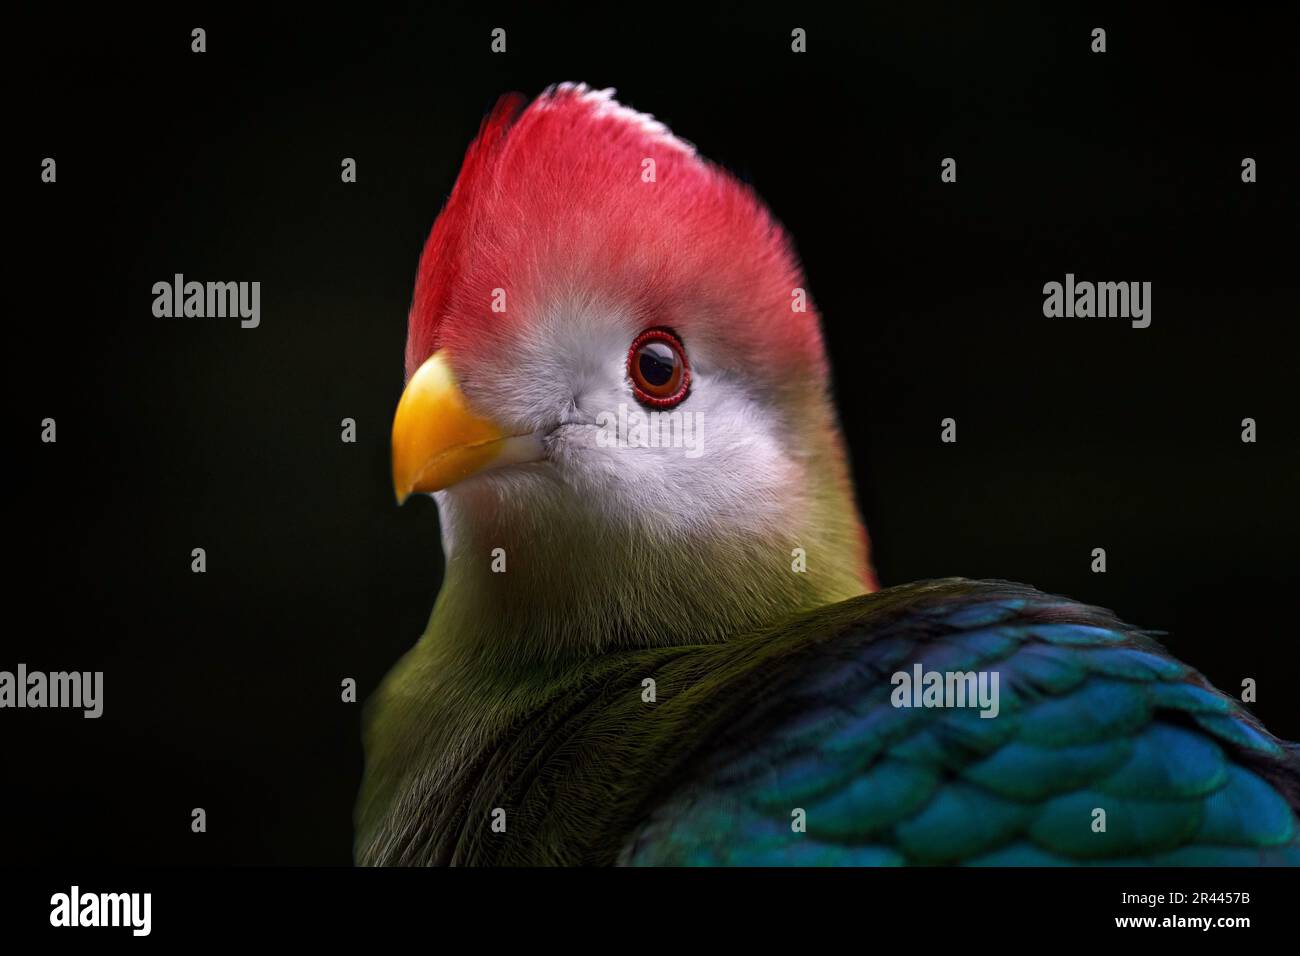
(222, 690)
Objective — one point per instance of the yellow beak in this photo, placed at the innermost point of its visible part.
(438, 441)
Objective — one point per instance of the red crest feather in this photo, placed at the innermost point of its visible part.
(554, 200)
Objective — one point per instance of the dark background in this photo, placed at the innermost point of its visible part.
(222, 689)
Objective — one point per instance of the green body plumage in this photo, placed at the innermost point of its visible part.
(798, 717)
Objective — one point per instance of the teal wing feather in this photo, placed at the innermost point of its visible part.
(1092, 716)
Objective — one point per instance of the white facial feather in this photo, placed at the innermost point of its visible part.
(568, 373)
(608, 541)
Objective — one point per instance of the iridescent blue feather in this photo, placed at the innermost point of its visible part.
(1094, 719)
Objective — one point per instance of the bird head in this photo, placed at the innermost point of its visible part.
(618, 393)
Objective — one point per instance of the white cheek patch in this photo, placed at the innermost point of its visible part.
(568, 363)
(716, 461)
(667, 429)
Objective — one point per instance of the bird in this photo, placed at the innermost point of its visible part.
(660, 639)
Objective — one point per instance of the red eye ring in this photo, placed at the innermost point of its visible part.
(655, 381)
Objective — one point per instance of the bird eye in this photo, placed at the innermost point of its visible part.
(657, 365)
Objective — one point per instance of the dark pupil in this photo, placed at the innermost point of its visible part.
(656, 363)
